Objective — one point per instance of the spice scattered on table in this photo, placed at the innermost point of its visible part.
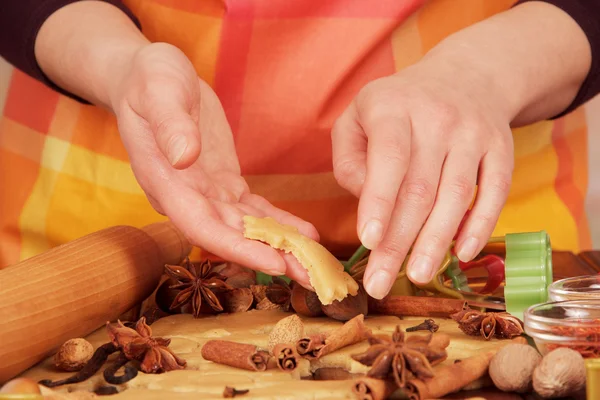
(230, 392)
(287, 330)
(279, 293)
(286, 356)
(136, 344)
(238, 355)
(196, 283)
(502, 325)
(511, 369)
(560, 373)
(316, 346)
(427, 325)
(398, 359)
(73, 355)
(349, 307)
(416, 306)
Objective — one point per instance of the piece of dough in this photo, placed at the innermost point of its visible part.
(326, 273)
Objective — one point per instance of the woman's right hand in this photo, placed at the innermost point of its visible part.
(183, 155)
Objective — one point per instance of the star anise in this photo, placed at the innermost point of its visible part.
(280, 293)
(398, 358)
(152, 352)
(488, 324)
(196, 282)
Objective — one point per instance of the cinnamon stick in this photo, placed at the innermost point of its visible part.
(438, 340)
(286, 356)
(333, 374)
(316, 346)
(238, 355)
(416, 306)
(366, 388)
(451, 378)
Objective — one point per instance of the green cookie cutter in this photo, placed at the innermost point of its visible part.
(528, 270)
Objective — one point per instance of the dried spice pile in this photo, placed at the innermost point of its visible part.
(152, 354)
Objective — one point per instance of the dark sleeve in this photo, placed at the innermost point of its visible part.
(20, 22)
(587, 15)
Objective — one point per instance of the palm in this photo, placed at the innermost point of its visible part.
(207, 199)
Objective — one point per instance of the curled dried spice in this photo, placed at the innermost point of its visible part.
(196, 283)
(400, 359)
(488, 324)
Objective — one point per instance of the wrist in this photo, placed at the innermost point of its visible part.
(530, 60)
(85, 46)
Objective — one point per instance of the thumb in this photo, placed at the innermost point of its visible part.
(175, 131)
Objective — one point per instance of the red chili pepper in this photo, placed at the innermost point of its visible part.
(493, 264)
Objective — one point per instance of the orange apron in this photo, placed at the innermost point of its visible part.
(284, 71)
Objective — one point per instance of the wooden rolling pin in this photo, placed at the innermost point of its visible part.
(73, 289)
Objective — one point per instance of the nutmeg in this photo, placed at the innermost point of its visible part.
(349, 307)
(21, 386)
(287, 330)
(73, 355)
(511, 369)
(561, 373)
(305, 302)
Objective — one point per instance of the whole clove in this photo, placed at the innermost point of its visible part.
(230, 392)
(427, 325)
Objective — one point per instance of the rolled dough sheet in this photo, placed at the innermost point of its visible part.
(206, 380)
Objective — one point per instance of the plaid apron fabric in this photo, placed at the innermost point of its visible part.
(284, 70)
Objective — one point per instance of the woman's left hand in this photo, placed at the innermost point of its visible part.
(413, 146)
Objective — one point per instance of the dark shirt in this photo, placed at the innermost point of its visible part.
(20, 21)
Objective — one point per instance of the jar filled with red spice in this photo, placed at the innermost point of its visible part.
(571, 323)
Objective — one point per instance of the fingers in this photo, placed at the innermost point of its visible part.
(414, 203)
(387, 161)
(494, 185)
(349, 151)
(232, 215)
(283, 217)
(203, 225)
(454, 196)
(296, 272)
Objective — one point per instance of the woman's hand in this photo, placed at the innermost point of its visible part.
(413, 147)
(182, 153)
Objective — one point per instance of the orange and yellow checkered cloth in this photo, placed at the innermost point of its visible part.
(284, 71)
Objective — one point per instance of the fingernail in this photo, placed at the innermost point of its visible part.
(466, 252)
(420, 270)
(176, 149)
(379, 284)
(371, 234)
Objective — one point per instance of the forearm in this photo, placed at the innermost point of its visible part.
(85, 47)
(534, 56)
